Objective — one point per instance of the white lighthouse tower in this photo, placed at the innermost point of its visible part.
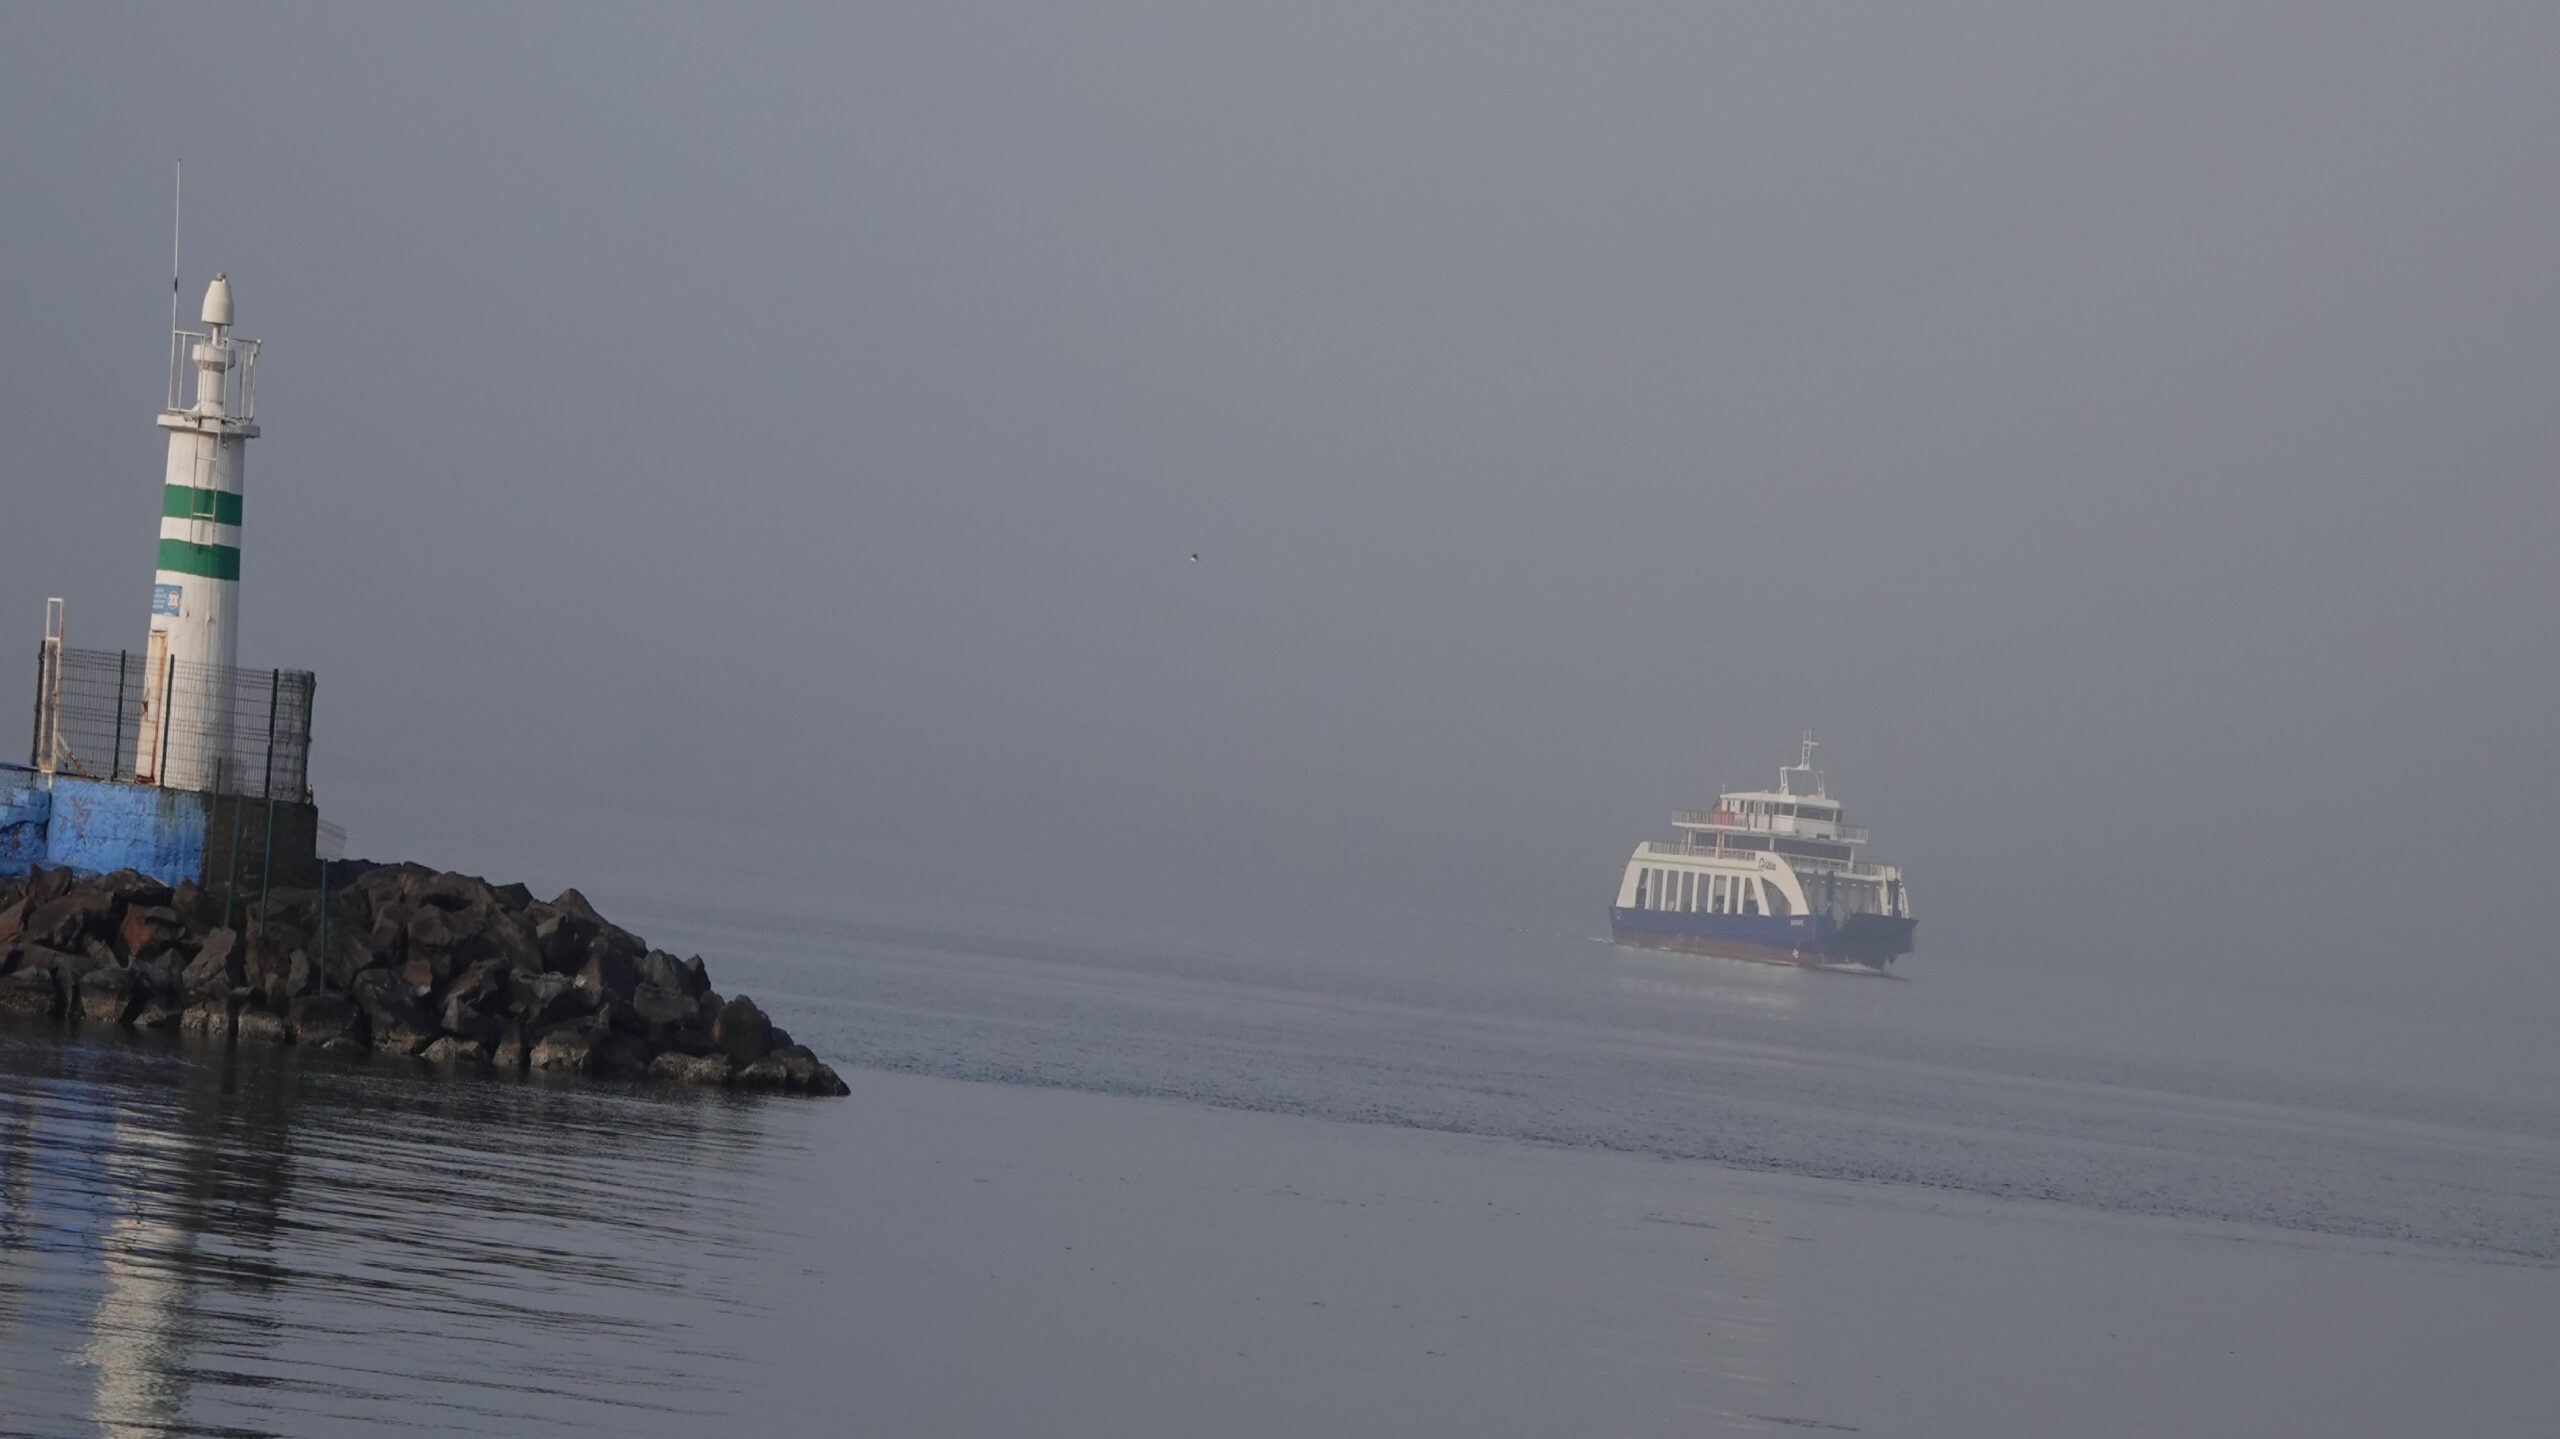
(186, 720)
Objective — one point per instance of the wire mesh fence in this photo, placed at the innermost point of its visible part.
(119, 715)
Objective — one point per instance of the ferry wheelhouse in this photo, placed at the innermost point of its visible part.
(1768, 874)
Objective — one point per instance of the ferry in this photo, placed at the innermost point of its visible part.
(1771, 875)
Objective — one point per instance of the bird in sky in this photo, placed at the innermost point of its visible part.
(1195, 557)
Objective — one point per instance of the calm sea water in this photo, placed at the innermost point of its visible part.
(267, 1242)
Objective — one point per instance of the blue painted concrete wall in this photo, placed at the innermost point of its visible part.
(97, 826)
(25, 806)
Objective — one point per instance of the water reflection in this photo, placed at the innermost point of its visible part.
(1726, 985)
(202, 1241)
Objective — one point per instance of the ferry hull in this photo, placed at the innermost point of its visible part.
(1872, 940)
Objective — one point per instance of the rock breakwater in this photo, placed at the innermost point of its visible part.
(395, 960)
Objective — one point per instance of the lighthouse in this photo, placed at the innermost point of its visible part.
(188, 680)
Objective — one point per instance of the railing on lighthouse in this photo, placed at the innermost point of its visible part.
(235, 398)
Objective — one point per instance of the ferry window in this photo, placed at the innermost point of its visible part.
(1750, 896)
(1639, 900)
(1778, 900)
(1688, 892)
(1718, 903)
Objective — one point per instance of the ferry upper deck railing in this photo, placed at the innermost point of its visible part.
(1729, 820)
(1670, 849)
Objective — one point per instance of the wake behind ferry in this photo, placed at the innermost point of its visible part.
(1769, 874)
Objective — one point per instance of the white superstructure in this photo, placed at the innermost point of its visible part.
(195, 592)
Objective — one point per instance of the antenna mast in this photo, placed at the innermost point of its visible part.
(177, 212)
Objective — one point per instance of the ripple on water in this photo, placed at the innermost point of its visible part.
(263, 1240)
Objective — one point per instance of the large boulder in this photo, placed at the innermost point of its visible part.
(487, 984)
(562, 930)
(419, 977)
(464, 1020)
(662, 969)
(574, 903)
(622, 1056)
(92, 954)
(269, 970)
(440, 942)
(260, 1026)
(218, 967)
(148, 931)
(302, 975)
(61, 923)
(793, 1070)
(30, 990)
(453, 1049)
(293, 913)
(687, 977)
(510, 938)
(540, 1001)
(574, 906)
(669, 1020)
(456, 892)
(196, 906)
(326, 1021)
(109, 995)
(608, 969)
(388, 936)
(127, 887)
(742, 1032)
(161, 977)
(568, 1048)
(349, 954)
(210, 1016)
(704, 1069)
(393, 1016)
(511, 1050)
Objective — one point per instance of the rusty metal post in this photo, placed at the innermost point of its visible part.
(169, 707)
(267, 866)
(115, 756)
(45, 753)
(323, 965)
(230, 861)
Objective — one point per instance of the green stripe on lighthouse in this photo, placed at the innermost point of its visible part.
(182, 502)
(214, 562)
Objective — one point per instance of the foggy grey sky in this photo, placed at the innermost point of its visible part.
(2130, 439)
